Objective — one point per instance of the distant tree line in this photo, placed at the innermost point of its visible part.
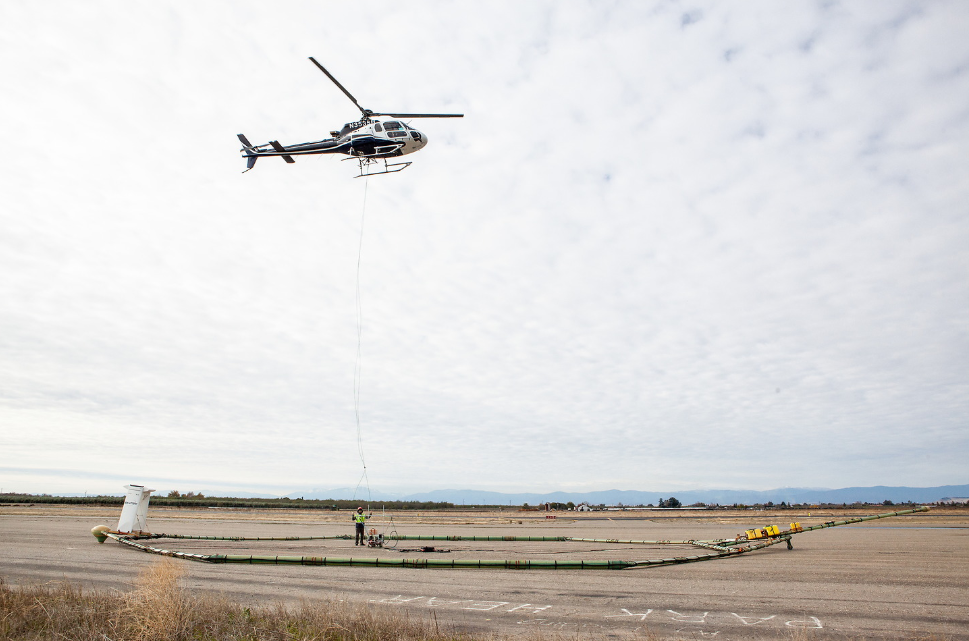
(197, 499)
(541, 506)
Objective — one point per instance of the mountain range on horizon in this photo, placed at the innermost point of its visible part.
(874, 494)
(797, 495)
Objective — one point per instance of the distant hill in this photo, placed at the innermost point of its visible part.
(877, 494)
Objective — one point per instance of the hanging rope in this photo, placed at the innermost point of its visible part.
(357, 372)
(357, 367)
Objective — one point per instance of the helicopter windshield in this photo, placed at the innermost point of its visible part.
(392, 125)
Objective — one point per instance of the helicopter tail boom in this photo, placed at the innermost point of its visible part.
(252, 153)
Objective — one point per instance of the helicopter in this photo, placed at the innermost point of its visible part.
(367, 140)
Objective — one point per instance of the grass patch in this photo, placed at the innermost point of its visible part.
(160, 609)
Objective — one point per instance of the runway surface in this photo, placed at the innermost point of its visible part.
(902, 578)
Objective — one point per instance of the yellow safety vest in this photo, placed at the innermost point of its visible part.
(360, 518)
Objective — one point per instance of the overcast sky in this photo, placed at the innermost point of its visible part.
(672, 245)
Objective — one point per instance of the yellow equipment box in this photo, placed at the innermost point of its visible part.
(796, 527)
(762, 533)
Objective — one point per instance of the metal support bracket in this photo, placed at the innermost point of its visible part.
(389, 168)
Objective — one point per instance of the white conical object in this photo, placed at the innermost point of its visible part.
(134, 514)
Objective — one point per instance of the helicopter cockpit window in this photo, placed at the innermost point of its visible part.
(378, 127)
(392, 126)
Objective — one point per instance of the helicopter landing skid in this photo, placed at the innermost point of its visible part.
(366, 168)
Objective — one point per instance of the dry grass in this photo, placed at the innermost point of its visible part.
(160, 609)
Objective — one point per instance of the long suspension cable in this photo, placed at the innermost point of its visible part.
(357, 372)
(357, 367)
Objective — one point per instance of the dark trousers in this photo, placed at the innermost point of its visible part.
(359, 539)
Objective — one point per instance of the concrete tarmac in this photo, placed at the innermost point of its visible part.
(898, 578)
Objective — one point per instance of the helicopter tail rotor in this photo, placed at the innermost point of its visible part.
(247, 150)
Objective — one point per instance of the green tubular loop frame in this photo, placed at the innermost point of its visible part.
(719, 549)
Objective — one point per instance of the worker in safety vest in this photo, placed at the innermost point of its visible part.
(360, 519)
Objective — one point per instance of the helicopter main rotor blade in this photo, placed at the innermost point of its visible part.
(342, 88)
(419, 115)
